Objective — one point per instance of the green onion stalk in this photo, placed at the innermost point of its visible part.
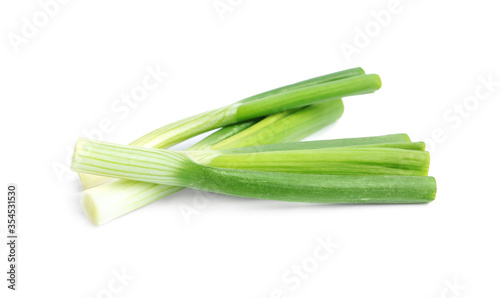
(117, 197)
(333, 86)
(338, 175)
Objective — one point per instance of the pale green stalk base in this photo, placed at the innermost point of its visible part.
(113, 201)
(100, 209)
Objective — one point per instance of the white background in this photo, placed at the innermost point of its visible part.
(63, 81)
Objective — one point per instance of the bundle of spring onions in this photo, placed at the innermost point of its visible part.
(255, 154)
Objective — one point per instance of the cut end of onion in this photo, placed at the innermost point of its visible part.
(90, 208)
(89, 180)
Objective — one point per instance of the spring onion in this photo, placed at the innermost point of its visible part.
(115, 198)
(328, 161)
(337, 85)
(194, 171)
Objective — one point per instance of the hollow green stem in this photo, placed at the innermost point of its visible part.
(178, 168)
(291, 128)
(324, 144)
(310, 82)
(182, 130)
(328, 161)
(369, 141)
(224, 133)
(307, 188)
(294, 96)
